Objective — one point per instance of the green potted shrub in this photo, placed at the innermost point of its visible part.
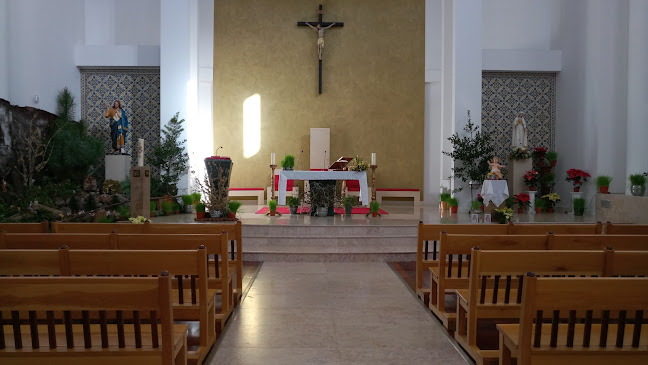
(200, 210)
(167, 207)
(374, 208)
(454, 205)
(272, 204)
(579, 206)
(539, 205)
(293, 204)
(552, 157)
(443, 201)
(347, 203)
(509, 202)
(152, 207)
(288, 162)
(603, 183)
(637, 184)
(195, 197)
(124, 212)
(232, 208)
(176, 207)
(188, 203)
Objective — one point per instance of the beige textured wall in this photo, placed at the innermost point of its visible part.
(373, 83)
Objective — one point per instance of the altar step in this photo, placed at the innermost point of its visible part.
(329, 243)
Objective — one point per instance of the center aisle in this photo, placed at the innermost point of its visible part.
(333, 313)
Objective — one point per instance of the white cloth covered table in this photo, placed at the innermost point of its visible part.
(495, 191)
(285, 175)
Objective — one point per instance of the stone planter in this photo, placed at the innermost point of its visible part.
(637, 190)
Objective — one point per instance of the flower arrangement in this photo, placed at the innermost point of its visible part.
(531, 179)
(139, 220)
(503, 215)
(576, 177)
(550, 201)
(519, 154)
(357, 164)
(539, 151)
(480, 199)
(522, 200)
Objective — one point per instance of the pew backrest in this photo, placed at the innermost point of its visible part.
(42, 227)
(627, 263)
(556, 228)
(614, 228)
(597, 241)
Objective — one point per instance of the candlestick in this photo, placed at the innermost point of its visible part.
(272, 158)
(140, 152)
(373, 182)
(272, 180)
(373, 158)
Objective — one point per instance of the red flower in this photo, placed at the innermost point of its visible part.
(541, 150)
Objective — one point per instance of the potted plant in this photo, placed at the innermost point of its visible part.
(443, 201)
(503, 215)
(552, 157)
(539, 205)
(293, 203)
(603, 183)
(637, 184)
(454, 205)
(124, 212)
(480, 199)
(576, 177)
(170, 156)
(550, 201)
(152, 205)
(476, 205)
(200, 210)
(288, 162)
(195, 197)
(579, 206)
(167, 207)
(176, 207)
(531, 179)
(509, 202)
(187, 200)
(232, 208)
(347, 203)
(522, 200)
(374, 208)
(272, 204)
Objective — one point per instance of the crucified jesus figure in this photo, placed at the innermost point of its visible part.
(320, 37)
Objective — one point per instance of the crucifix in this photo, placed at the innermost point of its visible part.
(320, 26)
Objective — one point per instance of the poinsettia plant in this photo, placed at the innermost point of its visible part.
(522, 199)
(530, 178)
(576, 177)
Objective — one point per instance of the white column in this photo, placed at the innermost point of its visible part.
(175, 65)
(4, 49)
(637, 127)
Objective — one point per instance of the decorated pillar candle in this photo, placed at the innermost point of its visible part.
(272, 158)
(373, 158)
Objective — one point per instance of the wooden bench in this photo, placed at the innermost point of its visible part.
(453, 270)
(495, 288)
(592, 321)
(195, 303)
(415, 194)
(42, 227)
(597, 241)
(108, 340)
(258, 193)
(431, 232)
(233, 233)
(216, 246)
(613, 228)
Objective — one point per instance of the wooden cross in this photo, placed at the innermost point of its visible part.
(320, 26)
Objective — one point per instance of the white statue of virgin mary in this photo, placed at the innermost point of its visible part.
(519, 139)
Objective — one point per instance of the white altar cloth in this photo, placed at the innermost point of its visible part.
(495, 191)
(285, 175)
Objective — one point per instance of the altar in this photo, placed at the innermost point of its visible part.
(360, 176)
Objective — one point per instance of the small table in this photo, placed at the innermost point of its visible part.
(495, 191)
(360, 176)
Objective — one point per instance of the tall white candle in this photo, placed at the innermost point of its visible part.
(140, 151)
(272, 158)
(373, 158)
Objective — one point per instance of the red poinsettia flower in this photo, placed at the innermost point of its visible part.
(522, 198)
(540, 150)
(575, 176)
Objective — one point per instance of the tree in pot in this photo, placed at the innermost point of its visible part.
(200, 210)
(347, 203)
(579, 206)
(443, 201)
(293, 204)
(288, 162)
(170, 156)
(637, 184)
(454, 205)
(603, 183)
(539, 205)
(374, 209)
(272, 205)
(232, 208)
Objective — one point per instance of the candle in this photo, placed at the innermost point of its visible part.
(272, 158)
(373, 158)
(140, 152)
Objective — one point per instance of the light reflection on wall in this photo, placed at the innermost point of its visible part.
(251, 125)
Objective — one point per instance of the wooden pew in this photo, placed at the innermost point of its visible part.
(597, 241)
(431, 232)
(627, 263)
(453, 271)
(233, 232)
(195, 303)
(495, 287)
(614, 228)
(42, 227)
(216, 246)
(59, 341)
(580, 331)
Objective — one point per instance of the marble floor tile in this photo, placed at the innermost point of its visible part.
(275, 356)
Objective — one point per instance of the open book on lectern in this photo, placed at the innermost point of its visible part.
(340, 164)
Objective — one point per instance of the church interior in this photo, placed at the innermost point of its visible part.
(202, 182)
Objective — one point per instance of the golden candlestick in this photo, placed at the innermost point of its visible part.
(373, 182)
(272, 183)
